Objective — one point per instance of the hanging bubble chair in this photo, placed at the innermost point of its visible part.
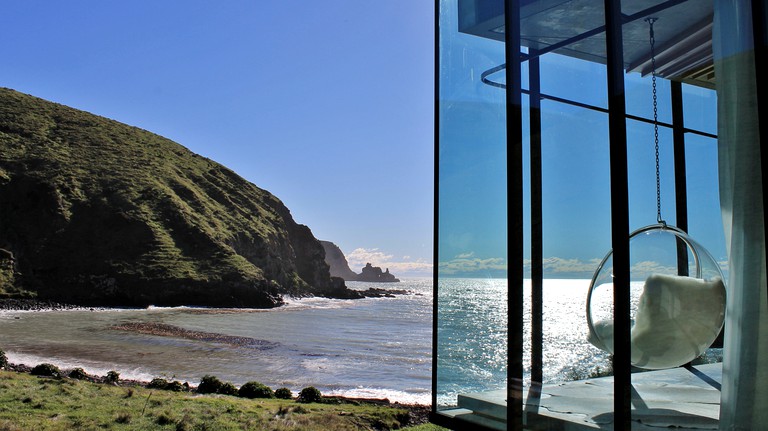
(677, 294)
(677, 299)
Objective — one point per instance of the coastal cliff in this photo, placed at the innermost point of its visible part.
(96, 212)
(337, 262)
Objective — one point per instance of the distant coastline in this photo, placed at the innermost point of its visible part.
(339, 267)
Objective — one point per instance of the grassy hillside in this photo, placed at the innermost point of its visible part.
(56, 404)
(97, 212)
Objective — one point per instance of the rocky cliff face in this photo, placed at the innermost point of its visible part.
(335, 258)
(96, 212)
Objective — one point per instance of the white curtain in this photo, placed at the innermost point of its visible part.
(744, 402)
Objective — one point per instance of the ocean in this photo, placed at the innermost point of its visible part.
(373, 347)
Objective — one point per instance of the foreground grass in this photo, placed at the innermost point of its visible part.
(51, 404)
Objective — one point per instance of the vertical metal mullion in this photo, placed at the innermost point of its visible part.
(514, 215)
(760, 33)
(537, 254)
(681, 184)
(436, 204)
(678, 139)
(619, 214)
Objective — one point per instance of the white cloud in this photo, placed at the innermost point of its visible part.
(360, 256)
(466, 263)
(461, 265)
(405, 266)
(558, 265)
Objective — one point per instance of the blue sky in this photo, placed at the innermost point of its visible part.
(328, 105)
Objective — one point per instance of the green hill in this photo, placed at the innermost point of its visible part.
(96, 212)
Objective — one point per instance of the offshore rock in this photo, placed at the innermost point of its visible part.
(339, 267)
(374, 274)
(95, 212)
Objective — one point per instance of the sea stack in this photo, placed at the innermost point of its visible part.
(374, 274)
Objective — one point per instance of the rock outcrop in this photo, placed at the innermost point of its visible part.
(337, 262)
(95, 212)
(374, 274)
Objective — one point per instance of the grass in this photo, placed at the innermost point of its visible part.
(56, 404)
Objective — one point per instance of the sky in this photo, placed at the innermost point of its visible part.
(328, 105)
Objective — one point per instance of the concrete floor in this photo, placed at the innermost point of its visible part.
(679, 398)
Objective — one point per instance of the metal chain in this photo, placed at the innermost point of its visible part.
(655, 122)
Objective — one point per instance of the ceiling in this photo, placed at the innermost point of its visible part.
(682, 32)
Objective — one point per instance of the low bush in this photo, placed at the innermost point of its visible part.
(209, 385)
(3, 359)
(176, 386)
(158, 383)
(283, 394)
(227, 389)
(310, 394)
(48, 370)
(255, 390)
(78, 373)
(112, 377)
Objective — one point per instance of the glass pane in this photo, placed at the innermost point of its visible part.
(472, 219)
(639, 97)
(705, 222)
(700, 109)
(576, 234)
(641, 162)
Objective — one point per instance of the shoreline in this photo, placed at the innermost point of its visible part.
(34, 304)
(31, 304)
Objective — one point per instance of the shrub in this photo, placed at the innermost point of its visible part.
(227, 389)
(283, 394)
(175, 386)
(78, 373)
(309, 395)
(112, 377)
(255, 390)
(3, 359)
(46, 370)
(158, 383)
(209, 385)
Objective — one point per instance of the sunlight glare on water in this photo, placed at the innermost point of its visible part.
(472, 335)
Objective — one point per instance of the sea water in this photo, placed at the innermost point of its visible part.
(472, 334)
(373, 347)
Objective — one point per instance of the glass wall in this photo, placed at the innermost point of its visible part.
(472, 251)
(621, 169)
